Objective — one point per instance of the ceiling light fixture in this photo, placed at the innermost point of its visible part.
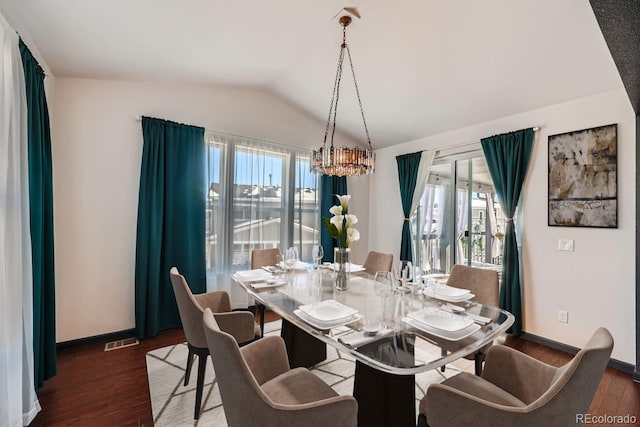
(343, 161)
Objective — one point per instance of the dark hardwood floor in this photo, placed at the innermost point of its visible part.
(98, 388)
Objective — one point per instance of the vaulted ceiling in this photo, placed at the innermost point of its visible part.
(423, 66)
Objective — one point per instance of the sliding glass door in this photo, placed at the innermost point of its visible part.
(459, 219)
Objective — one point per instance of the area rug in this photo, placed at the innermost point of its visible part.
(173, 404)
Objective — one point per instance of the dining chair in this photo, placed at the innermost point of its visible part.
(485, 285)
(518, 390)
(264, 392)
(378, 261)
(263, 258)
(240, 324)
(302, 348)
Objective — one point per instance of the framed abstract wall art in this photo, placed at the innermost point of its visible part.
(583, 183)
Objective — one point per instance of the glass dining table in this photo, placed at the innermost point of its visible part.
(392, 335)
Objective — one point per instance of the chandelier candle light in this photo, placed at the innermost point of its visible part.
(340, 227)
(343, 161)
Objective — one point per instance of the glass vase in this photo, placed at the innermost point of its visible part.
(341, 259)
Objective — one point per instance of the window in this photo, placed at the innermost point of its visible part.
(261, 195)
(459, 219)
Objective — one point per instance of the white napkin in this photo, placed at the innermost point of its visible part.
(262, 285)
(357, 339)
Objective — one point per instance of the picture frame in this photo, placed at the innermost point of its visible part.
(583, 178)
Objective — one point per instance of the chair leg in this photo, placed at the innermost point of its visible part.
(202, 364)
(422, 421)
(262, 310)
(442, 353)
(478, 358)
(187, 372)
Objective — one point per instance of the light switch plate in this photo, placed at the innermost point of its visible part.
(565, 245)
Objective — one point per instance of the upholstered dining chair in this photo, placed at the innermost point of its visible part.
(378, 261)
(240, 324)
(264, 392)
(518, 390)
(484, 284)
(263, 258)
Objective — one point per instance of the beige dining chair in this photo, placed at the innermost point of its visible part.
(263, 258)
(484, 284)
(378, 261)
(518, 390)
(264, 392)
(240, 324)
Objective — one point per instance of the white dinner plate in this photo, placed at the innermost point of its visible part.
(450, 336)
(252, 275)
(429, 292)
(328, 311)
(300, 265)
(354, 268)
(326, 325)
(441, 319)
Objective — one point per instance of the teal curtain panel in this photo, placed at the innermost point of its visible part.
(171, 221)
(407, 177)
(329, 187)
(41, 212)
(508, 158)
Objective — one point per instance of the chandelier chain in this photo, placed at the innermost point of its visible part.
(355, 83)
(333, 97)
(337, 94)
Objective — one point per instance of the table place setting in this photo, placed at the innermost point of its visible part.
(353, 268)
(442, 323)
(369, 333)
(258, 278)
(448, 293)
(327, 314)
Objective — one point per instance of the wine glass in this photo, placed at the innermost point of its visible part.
(317, 253)
(403, 274)
(290, 258)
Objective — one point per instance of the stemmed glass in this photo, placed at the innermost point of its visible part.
(403, 273)
(290, 258)
(317, 253)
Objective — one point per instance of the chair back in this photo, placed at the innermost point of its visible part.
(481, 282)
(243, 400)
(189, 309)
(378, 261)
(574, 384)
(264, 257)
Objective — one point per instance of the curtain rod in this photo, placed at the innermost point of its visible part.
(535, 129)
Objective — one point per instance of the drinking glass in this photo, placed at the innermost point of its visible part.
(290, 258)
(383, 288)
(403, 273)
(317, 253)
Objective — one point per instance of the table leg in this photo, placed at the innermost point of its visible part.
(303, 349)
(384, 399)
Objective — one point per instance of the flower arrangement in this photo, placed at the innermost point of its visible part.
(340, 225)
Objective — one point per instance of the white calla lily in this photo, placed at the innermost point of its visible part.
(353, 235)
(335, 210)
(351, 219)
(337, 221)
(344, 201)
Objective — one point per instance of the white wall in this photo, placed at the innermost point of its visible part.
(97, 149)
(596, 283)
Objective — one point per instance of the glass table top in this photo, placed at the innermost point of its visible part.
(391, 330)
